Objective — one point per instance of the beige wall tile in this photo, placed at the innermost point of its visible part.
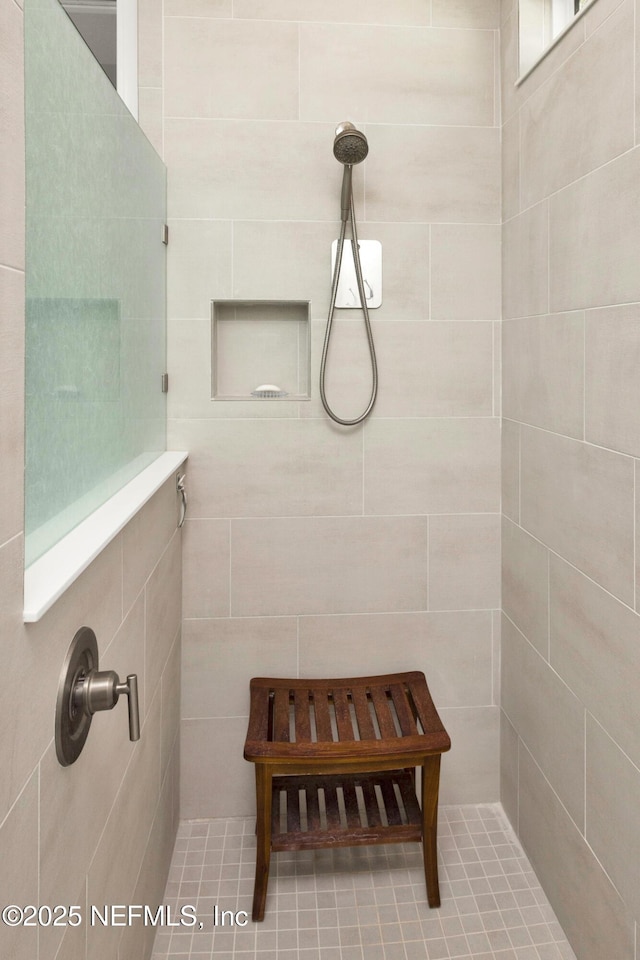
(263, 252)
(125, 655)
(215, 780)
(19, 875)
(543, 372)
(511, 470)
(594, 648)
(12, 198)
(595, 267)
(465, 272)
(527, 682)
(613, 835)
(431, 369)
(112, 875)
(509, 746)
(328, 565)
(12, 399)
(395, 74)
(170, 685)
(150, 50)
(221, 656)
(483, 14)
(588, 516)
(511, 167)
(205, 558)
(612, 394)
(598, 83)
(247, 169)
(272, 468)
(452, 649)
(213, 66)
(164, 611)
(431, 466)
(448, 174)
(199, 267)
(464, 562)
(469, 771)
(150, 116)
(525, 264)
(145, 538)
(586, 903)
(198, 8)
(339, 11)
(525, 584)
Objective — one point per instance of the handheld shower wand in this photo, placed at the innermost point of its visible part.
(349, 147)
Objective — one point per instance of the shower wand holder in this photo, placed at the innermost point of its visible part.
(84, 690)
(347, 297)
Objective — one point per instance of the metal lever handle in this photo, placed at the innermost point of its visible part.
(101, 689)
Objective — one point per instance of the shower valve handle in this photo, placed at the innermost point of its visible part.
(101, 689)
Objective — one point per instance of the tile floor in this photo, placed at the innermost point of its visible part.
(362, 903)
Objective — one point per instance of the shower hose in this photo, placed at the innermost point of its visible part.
(367, 323)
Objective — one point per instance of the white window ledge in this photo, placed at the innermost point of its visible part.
(49, 576)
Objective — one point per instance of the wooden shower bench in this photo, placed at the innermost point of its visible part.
(335, 765)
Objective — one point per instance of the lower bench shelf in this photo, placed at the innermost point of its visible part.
(313, 812)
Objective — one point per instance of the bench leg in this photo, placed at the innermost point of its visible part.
(263, 834)
(430, 787)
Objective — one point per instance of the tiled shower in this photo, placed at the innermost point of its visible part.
(504, 438)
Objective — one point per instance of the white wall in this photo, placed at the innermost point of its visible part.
(311, 550)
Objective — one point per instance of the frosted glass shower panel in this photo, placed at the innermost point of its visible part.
(95, 314)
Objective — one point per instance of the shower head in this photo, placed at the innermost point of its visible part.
(350, 145)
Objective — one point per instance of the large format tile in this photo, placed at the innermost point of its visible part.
(277, 467)
(595, 647)
(431, 369)
(613, 835)
(482, 14)
(587, 905)
(19, 877)
(555, 733)
(525, 584)
(543, 372)
(433, 174)
(205, 558)
(612, 392)
(593, 238)
(452, 649)
(464, 562)
(328, 565)
(211, 67)
(221, 656)
(393, 74)
(253, 170)
(525, 263)
(470, 771)
(263, 252)
(590, 102)
(465, 272)
(588, 517)
(511, 470)
(215, 780)
(432, 466)
(414, 12)
(199, 269)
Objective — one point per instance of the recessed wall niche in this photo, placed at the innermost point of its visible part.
(260, 350)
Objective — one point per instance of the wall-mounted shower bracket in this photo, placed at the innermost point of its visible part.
(347, 296)
(83, 691)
